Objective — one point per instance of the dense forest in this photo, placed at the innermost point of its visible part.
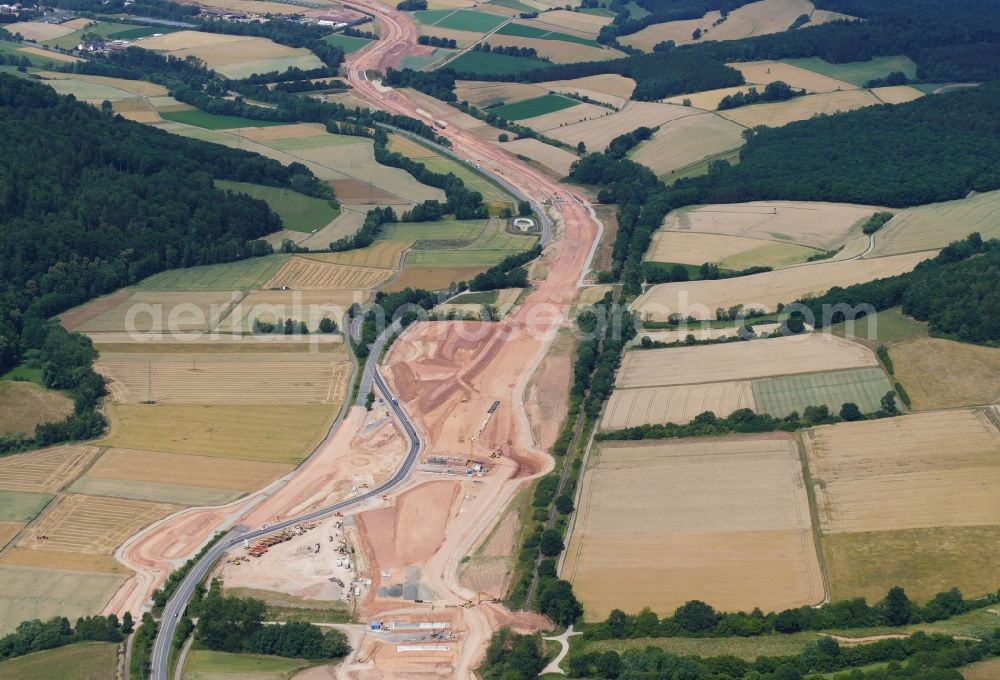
(956, 293)
(932, 149)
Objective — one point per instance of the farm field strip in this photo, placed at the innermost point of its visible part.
(765, 291)
(858, 72)
(145, 311)
(89, 524)
(204, 380)
(777, 114)
(21, 506)
(300, 273)
(813, 224)
(662, 523)
(764, 72)
(741, 360)
(243, 275)
(906, 472)
(629, 407)
(681, 142)
(275, 433)
(44, 471)
(597, 126)
(935, 225)
(696, 247)
(31, 593)
(940, 373)
(908, 501)
(779, 397)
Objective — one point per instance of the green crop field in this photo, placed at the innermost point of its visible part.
(248, 274)
(20, 506)
(516, 4)
(460, 20)
(203, 664)
(443, 230)
(456, 258)
(347, 42)
(211, 121)
(858, 72)
(885, 328)
(82, 661)
(35, 593)
(485, 63)
(486, 297)
(525, 31)
(536, 106)
(862, 386)
(297, 211)
(9, 49)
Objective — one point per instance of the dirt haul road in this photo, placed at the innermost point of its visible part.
(496, 364)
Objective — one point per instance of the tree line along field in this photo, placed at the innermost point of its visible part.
(726, 522)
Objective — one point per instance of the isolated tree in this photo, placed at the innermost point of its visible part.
(524, 208)
(327, 325)
(504, 137)
(581, 147)
(849, 411)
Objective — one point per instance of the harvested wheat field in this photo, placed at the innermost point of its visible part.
(293, 378)
(935, 225)
(600, 129)
(432, 278)
(801, 108)
(818, 225)
(898, 94)
(88, 524)
(556, 159)
(765, 291)
(9, 530)
(707, 100)
(935, 472)
(941, 373)
(741, 360)
(610, 88)
(675, 403)
(561, 19)
(301, 273)
(23, 405)
(332, 302)
(485, 94)
(30, 593)
(757, 18)
(557, 51)
(381, 254)
(764, 72)
(175, 478)
(230, 55)
(39, 31)
(696, 248)
(153, 311)
(726, 522)
(44, 471)
(271, 433)
(688, 140)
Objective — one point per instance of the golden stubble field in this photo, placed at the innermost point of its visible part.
(45, 471)
(757, 18)
(927, 227)
(687, 140)
(674, 403)
(723, 521)
(741, 360)
(908, 501)
(696, 248)
(765, 291)
(807, 223)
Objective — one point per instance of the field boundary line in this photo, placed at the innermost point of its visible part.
(813, 514)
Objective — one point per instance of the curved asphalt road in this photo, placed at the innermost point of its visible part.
(175, 607)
